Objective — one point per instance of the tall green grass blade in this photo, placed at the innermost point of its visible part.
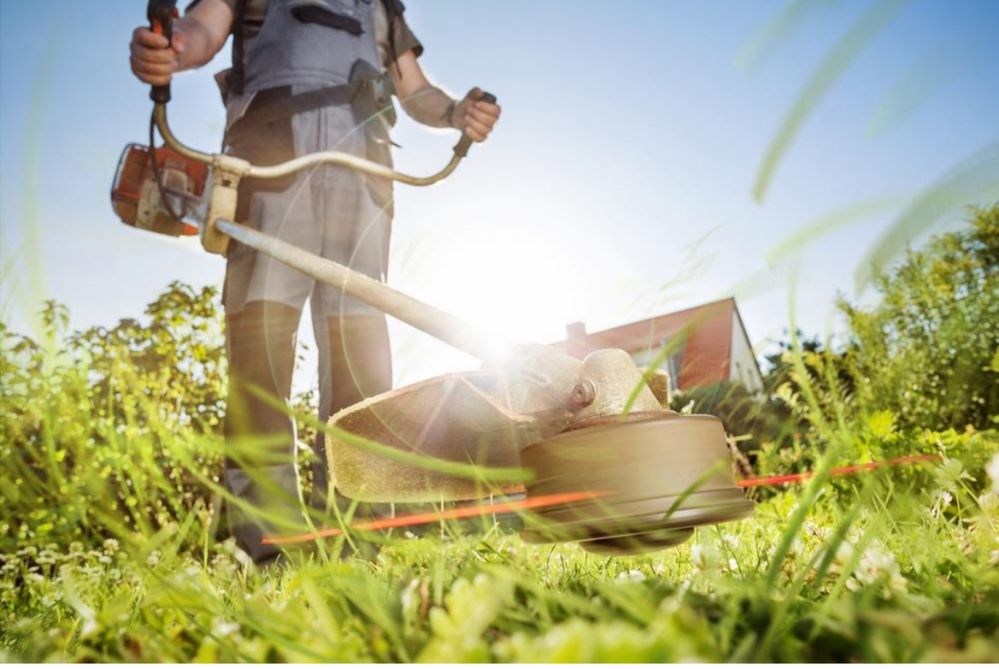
(974, 180)
(822, 80)
(779, 30)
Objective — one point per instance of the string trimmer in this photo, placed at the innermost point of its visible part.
(596, 436)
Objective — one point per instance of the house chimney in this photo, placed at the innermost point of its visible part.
(576, 330)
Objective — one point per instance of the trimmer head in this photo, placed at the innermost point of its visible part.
(653, 478)
(641, 480)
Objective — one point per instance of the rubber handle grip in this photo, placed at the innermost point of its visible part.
(161, 14)
(461, 148)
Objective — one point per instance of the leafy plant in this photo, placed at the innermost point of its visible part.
(929, 350)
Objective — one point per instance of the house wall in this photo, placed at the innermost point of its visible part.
(706, 350)
(743, 365)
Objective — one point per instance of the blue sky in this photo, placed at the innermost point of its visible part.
(618, 184)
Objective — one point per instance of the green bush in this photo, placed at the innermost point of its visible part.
(110, 431)
(929, 351)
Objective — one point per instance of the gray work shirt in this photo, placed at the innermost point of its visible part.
(402, 39)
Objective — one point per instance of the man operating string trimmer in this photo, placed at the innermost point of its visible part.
(307, 76)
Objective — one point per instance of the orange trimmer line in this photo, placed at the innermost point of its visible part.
(564, 498)
(444, 514)
(837, 471)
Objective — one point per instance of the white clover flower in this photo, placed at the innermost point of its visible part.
(221, 627)
(941, 500)
(111, 546)
(153, 559)
(877, 563)
(630, 576)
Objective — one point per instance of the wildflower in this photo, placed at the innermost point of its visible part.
(110, 546)
(941, 500)
(222, 627)
(630, 576)
(46, 557)
(153, 559)
(875, 564)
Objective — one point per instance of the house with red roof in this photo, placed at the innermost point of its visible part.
(699, 346)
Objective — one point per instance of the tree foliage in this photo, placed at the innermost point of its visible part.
(929, 350)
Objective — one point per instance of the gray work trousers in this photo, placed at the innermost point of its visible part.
(331, 212)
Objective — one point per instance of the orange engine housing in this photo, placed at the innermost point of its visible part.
(136, 197)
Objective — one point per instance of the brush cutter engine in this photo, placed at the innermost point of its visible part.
(140, 202)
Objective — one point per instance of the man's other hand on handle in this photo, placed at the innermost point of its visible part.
(475, 117)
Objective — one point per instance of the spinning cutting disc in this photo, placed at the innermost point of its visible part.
(655, 479)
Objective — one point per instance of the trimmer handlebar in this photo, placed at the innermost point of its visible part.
(461, 148)
(161, 14)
